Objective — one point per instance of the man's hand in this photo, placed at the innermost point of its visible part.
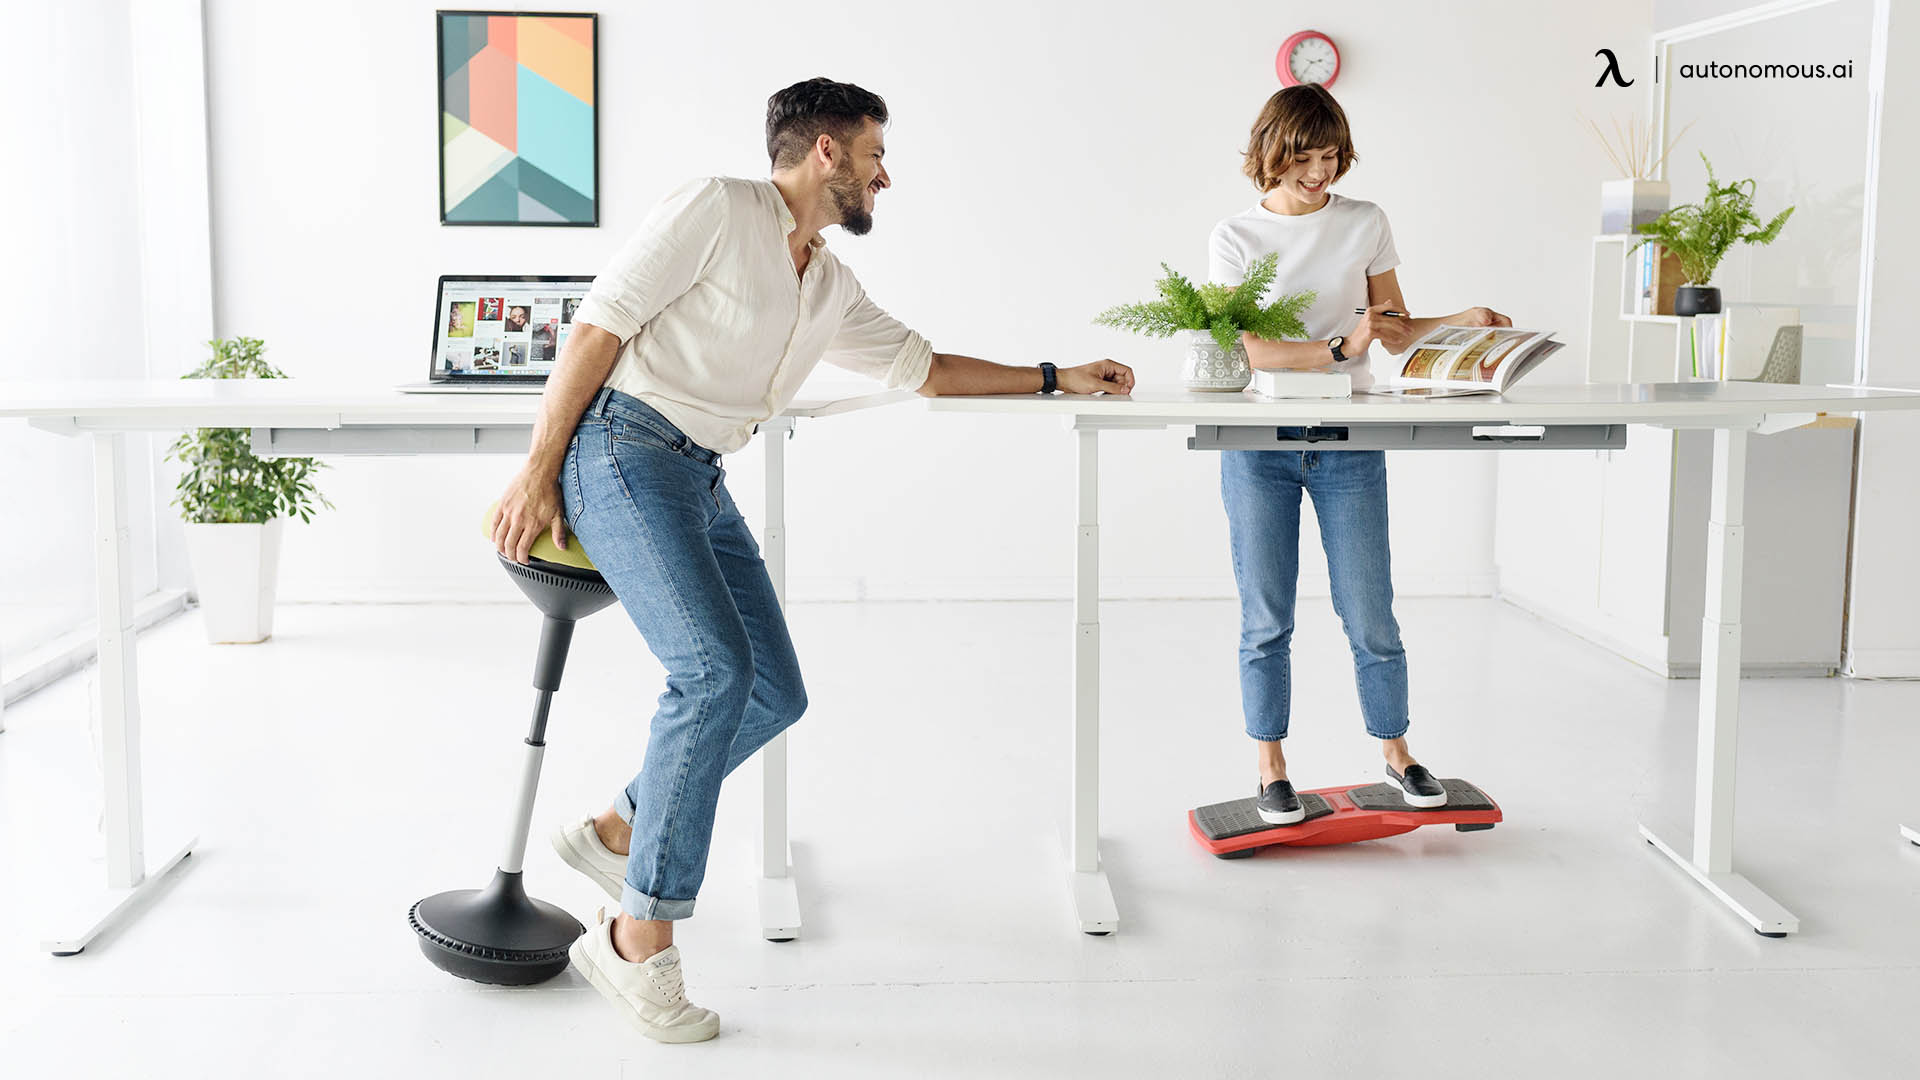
(1101, 376)
(530, 504)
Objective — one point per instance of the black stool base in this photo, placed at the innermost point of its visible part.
(495, 935)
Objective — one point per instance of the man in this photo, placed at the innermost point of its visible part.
(702, 327)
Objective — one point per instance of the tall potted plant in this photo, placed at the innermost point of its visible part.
(234, 505)
(1700, 235)
(1211, 318)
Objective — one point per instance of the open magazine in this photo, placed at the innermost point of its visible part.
(1455, 360)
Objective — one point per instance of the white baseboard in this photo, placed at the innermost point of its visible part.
(1649, 652)
(854, 589)
(1882, 664)
(74, 650)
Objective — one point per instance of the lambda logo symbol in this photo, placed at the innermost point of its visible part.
(1612, 69)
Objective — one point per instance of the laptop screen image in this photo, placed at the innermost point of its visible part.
(500, 328)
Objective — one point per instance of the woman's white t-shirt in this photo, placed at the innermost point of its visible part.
(1331, 251)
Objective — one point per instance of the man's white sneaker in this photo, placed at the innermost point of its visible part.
(651, 993)
(579, 846)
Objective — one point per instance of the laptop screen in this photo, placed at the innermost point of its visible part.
(496, 328)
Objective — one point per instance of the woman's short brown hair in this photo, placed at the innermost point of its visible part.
(1295, 120)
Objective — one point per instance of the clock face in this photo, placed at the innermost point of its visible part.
(1313, 59)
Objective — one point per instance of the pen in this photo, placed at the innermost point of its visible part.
(1388, 314)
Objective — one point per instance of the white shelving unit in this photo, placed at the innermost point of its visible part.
(1610, 544)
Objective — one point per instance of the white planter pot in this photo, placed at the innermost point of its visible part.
(235, 569)
(1626, 203)
(1209, 367)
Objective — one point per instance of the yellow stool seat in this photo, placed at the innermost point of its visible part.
(574, 554)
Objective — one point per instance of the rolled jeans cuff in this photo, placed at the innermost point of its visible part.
(639, 905)
(624, 806)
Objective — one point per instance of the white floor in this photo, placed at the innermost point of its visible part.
(364, 758)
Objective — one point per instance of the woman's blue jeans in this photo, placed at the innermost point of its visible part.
(652, 509)
(1261, 489)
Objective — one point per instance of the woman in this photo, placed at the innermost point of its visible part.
(1342, 249)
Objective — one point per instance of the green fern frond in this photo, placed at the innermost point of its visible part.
(1226, 332)
(1221, 310)
(1190, 310)
(1155, 318)
(1281, 320)
(1217, 298)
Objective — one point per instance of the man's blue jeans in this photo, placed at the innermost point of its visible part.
(1261, 489)
(652, 509)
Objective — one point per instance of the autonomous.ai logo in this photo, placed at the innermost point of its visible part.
(1612, 70)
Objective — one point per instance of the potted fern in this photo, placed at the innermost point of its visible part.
(1211, 319)
(234, 505)
(1700, 235)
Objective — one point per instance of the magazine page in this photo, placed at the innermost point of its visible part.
(1473, 359)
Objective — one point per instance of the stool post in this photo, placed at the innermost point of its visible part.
(555, 636)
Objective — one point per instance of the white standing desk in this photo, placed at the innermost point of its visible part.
(300, 418)
(1563, 417)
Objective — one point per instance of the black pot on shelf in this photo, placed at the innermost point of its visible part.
(1696, 300)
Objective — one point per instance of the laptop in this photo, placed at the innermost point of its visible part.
(498, 333)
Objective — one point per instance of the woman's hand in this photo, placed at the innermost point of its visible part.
(1393, 331)
(1480, 316)
(530, 504)
(1101, 376)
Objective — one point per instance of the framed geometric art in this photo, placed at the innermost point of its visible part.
(519, 130)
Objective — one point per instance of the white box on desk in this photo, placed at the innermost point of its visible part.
(1301, 384)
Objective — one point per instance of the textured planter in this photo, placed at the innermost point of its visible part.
(1209, 367)
(235, 570)
(1626, 203)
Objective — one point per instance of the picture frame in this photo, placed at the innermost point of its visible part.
(519, 119)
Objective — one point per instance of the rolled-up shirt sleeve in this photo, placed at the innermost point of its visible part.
(662, 260)
(879, 346)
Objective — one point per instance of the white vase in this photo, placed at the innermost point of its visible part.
(1209, 367)
(1626, 203)
(235, 571)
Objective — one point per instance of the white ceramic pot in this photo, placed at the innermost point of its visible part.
(1626, 203)
(1209, 367)
(235, 570)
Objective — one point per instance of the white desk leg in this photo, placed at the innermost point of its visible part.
(1717, 763)
(779, 898)
(1093, 905)
(128, 882)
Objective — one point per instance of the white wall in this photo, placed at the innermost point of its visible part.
(70, 276)
(1046, 158)
(1883, 636)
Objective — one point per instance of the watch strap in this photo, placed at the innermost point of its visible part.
(1049, 378)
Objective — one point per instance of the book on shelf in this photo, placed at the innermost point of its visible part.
(1455, 360)
(1656, 278)
(1301, 384)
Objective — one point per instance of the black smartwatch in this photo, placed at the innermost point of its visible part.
(1049, 378)
(1334, 343)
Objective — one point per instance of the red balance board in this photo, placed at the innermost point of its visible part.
(1338, 815)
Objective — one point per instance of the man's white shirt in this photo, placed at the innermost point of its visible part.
(717, 331)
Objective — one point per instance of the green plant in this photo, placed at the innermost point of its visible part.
(1701, 233)
(1224, 311)
(224, 483)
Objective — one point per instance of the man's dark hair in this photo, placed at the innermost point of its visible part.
(797, 115)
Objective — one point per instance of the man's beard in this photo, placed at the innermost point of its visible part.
(849, 198)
